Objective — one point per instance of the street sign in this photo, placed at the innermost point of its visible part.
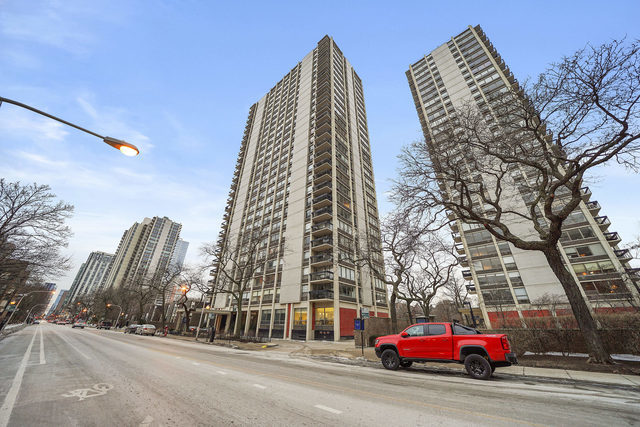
(358, 324)
(364, 313)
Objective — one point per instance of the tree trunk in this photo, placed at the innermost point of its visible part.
(586, 322)
(392, 313)
(236, 327)
(409, 313)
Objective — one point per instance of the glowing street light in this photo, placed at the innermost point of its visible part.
(125, 148)
(119, 313)
(18, 305)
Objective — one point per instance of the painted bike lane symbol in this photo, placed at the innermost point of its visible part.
(84, 393)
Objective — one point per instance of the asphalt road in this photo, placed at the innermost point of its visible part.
(55, 375)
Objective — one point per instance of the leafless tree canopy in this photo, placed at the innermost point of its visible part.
(581, 113)
(33, 229)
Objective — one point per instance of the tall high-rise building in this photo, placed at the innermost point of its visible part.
(179, 253)
(304, 179)
(58, 304)
(509, 281)
(89, 276)
(144, 250)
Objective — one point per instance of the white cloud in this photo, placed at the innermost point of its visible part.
(24, 123)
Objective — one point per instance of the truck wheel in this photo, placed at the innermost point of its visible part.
(477, 367)
(406, 364)
(390, 359)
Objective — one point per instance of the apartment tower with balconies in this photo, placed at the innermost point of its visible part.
(304, 180)
(510, 283)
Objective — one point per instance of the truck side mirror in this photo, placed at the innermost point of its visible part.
(404, 335)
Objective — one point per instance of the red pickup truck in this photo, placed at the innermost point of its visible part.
(446, 342)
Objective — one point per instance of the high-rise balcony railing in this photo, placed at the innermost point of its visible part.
(325, 187)
(594, 207)
(586, 193)
(322, 154)
(459, 249)
(322, 165)
(466, 274)
(613, 238)
(323, 200)
(322, 214)
(603, 222)
(321, 294)
(471, 289)
(322, 177)
(464, 262)
(624, 255)
(321, 276)
(456, 237)
(323, 258)
(322, 243)
(322, 228)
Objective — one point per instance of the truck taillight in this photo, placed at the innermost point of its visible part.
(505, 342)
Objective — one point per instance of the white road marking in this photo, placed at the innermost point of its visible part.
(260, 386)
(10, 399)
(99, 389)
(178, 357)
(42, 359)
(196, 363)
(65, 339)
(326, 408)
(222, 372)
(147, 421)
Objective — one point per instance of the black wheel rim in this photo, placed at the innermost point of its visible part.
(387, 360)
(477, 368)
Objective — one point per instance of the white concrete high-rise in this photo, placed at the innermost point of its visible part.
(144, 250)
(304, 178)
(89, 276)
(509, 281)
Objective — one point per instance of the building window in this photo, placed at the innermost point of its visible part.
(300, 317)
(324, 316)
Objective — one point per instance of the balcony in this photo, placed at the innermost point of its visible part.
(321, 277)
(456, 237)
(459, 249)
(323, 143)
(322, 200)
(324, 154)
(454, 226)
(322, 259)
(321, 294)
(322, 228)
(594, 207)
(322, 166)
(623, 255)
(323, 214)
(464, 262)
(471, 289)
(586, 193)
(466, 274)
(319, 189)
(603, 222)
(322, 177)
(322, 243)
(634, 273)
(613, 238)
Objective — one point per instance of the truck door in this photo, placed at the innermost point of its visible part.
(438, 343)
(410, 345)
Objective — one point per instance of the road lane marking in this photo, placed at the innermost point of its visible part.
(10, 399)
(222, 372)
(99, 389)
(196, 363)
(42, 359)
(326, 408)
(65, 339)
(260, 386)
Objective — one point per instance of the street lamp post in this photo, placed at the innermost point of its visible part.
(18, 305)
(29, 314)
(124, 147)
(119, 313)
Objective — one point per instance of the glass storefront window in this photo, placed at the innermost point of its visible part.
(300, 317)
(324, 316)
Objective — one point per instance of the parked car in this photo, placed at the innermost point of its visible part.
(104, 325)
(80, 325)
(131, 329)
(446, 342)
(146, 330)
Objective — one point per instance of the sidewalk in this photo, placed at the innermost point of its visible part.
(346, 350)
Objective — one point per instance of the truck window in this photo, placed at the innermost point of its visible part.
(463, 330)
(415, 331)
(437, 330)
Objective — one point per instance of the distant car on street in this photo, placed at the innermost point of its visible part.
(80, 325)
(146, 330)
(131, 329)
(104, 325)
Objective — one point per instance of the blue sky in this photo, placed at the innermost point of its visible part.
(178, 78)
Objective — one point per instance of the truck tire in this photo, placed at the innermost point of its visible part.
(390, 359)
(406, 363)
(477, 367)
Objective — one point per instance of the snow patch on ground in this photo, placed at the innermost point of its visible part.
(623, 357)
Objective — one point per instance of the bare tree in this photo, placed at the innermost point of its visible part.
(435, 268)
(581, 113)
(400, 244)
(163, 283)
(32, 228)
(235, 264)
